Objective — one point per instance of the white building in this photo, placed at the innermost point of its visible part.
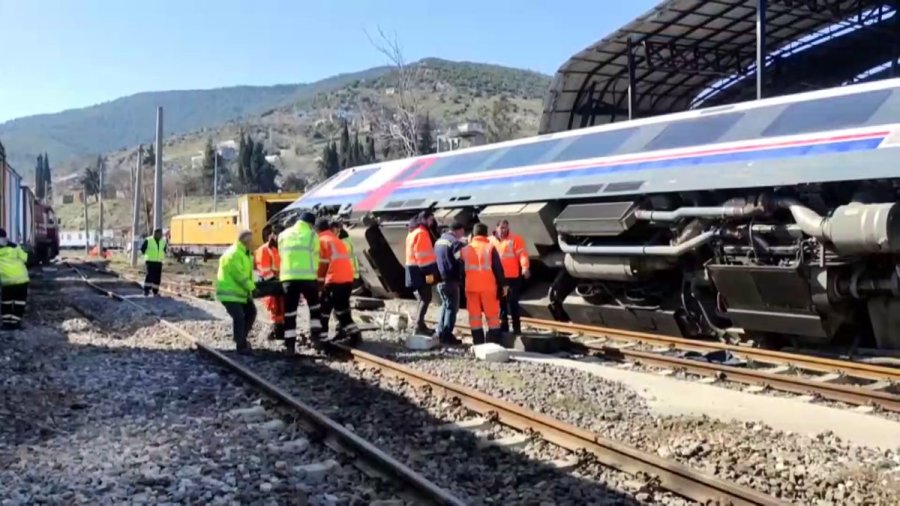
(463, 135)
(69, 239)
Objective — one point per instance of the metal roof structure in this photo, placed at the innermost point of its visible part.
(685, 54)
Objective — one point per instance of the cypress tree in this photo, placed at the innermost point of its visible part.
(48, 179)
(39, 177)
(334, 162)
(358, 156)
(345, 156)
(425, 137)
(371, 157)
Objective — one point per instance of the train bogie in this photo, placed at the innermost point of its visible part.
(771, 219)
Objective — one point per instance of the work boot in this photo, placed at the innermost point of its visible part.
(493, 336)
(290, 347)
(279, 331)
(244, 349)
(424, 330)
(450, 340)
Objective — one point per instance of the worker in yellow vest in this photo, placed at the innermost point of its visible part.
(154, 250)
(299, 248)
(14, 282)
(235, 286)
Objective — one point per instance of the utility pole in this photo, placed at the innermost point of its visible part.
(215, 178)
(136, 217)
(100, 170)
(87, 228)
(157, 176)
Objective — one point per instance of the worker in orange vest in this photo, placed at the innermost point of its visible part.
(485, 284)
(516, 267)
(267, 262)
(421, 265)
(336, 281)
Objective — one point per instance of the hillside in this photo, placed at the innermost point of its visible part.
(447, 92)
(130, 120)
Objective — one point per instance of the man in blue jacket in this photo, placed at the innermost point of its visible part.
(446, 250)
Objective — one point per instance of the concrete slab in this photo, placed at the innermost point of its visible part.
(674, 397)
(421, 342)
(490, 352)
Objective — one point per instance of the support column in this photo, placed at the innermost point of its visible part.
(136, 216)
(761, 7)
(632, 92)
(157, 179)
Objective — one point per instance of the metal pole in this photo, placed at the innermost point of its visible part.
(632, 93)
(215, 179)
(87, 237)
(136, 217)
(157, 179)
(100, 170)
(761, 6)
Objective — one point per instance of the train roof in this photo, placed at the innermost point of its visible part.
(732, 143)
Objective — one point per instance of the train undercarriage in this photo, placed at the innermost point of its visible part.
(802, 266)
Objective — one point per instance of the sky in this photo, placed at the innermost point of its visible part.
(63, 54)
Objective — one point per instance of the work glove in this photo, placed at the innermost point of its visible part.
(429, 279)
(526, 274)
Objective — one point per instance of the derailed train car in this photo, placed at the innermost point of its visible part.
(772, 219)
(26, 220)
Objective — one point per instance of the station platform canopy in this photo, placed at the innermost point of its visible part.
(688, 54)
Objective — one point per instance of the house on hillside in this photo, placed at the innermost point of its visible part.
(463, 135)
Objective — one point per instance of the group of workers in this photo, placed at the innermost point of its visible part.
(488, 268)
(312, 260)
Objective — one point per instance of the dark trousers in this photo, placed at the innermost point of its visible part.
(509, 307)
(336, 297)
(449, 293)
(12, 307)
(153, 277)
(309, 290)
(423, 295)
(242, 317)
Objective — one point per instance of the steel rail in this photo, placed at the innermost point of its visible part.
(782, 382)
(335, 434)
(808, 362)
(672, 476)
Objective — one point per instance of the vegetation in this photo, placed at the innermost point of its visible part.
(43, 181)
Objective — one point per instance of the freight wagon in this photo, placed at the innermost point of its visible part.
(27, 221)
(209, 234)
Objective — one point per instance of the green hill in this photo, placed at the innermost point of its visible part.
(130, 120)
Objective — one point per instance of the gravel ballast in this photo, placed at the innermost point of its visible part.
(102, 405)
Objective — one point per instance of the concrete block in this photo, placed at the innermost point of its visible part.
(317, 471)
(366, 303)
(421, 342)
(252, 414)
(490, 352)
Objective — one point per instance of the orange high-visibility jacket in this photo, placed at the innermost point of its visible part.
(335, 265)
(268, 261)
(483, 269)
(513, 254)
(419, 250)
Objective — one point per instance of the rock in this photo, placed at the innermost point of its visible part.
(421, 342)
(296, 446)
(271, 427)
(491, 352)
(265, 487)
(388, 502)
(254, 414)
(396, 322)
(316, 472)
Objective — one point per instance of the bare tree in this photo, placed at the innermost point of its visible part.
(400, 126)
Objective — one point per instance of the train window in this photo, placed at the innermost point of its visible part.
(356, 178)
(526, 154)
(692, 132)
(846, 111)
(458, 164)
(594, 145)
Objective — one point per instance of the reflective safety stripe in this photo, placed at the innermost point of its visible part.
(290, 333)
(11, 317)
(345, 311)
(315, 324)
(351, 327)
(315, 308)
(290, 315)
(476, 322)
(443, 242)
(19, 302)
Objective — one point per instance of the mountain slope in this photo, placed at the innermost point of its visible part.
(131, 120)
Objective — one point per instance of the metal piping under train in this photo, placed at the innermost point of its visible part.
(776, 219)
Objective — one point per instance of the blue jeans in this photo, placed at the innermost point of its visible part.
(449, 293)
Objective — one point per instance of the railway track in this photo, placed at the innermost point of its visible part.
(670, 475)
(333, 433)
(845, 381)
